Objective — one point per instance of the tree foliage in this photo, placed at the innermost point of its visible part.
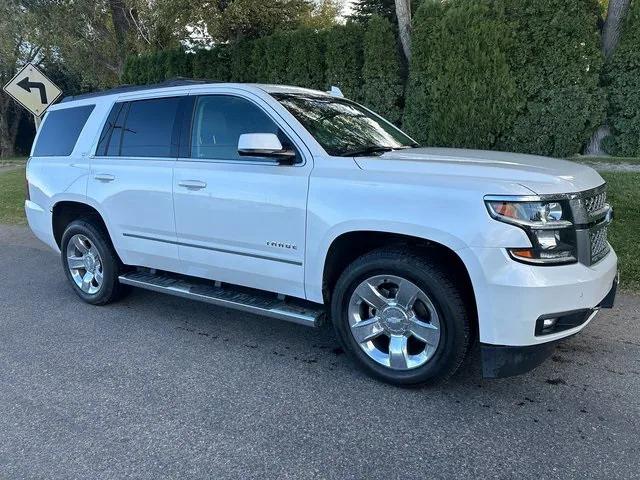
(556, 62)
(344, 59)
(623, 89)
(462, 92)
(213, 63)
(18, 45)
(363, 10)
(510, 74)
(305, 62)
(382, 89)
(240, 66)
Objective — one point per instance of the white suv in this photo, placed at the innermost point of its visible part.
(290, 203)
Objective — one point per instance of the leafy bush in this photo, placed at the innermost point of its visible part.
(276, 53)
(382, 89)
(240, 66)
(213, 64)
(462, 92)
(623, 89)
(556, 62)
(178, 64)
(305, 62)
(131, 70)
(496, 74)
(344, 59)
(510, 74)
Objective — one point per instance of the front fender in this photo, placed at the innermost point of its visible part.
(317, 254)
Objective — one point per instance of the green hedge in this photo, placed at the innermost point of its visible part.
(344, 59)
(556, 63)
(157, 66)
(462, 92)
(382, 88)
(212, 64)
(623, 89)
(512, 75)
(343, 56)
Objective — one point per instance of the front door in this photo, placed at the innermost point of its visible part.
(239, 219)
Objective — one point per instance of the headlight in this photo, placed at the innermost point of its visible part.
(547, 223)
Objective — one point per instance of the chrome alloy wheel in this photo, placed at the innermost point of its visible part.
(394, 322)
(85, 264)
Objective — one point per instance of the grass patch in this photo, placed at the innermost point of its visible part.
(612, 160)
(12, 161)
(623, 192)
(12, 197)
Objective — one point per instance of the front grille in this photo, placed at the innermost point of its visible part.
(595, 202)
(591, 216)
(599, 245)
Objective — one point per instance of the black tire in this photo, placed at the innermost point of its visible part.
(110, 289)
(424, 270)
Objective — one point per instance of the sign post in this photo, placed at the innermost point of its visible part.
(33, 90)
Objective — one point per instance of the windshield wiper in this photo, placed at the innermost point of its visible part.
(366, 151)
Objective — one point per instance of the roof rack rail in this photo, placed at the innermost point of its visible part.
(173, 82)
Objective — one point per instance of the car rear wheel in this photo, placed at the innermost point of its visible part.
(401, 316)
(90, 263)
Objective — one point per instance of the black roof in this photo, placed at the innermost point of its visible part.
(174, 82)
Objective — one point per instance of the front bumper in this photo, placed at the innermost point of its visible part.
(511, 296)
(504, 361)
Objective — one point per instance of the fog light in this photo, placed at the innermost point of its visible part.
(549, 322)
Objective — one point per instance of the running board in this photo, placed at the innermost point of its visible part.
(228, 296)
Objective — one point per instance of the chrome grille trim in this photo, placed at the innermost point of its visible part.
(591, 215)
(596, 202)
(589, 206)
(599, 245)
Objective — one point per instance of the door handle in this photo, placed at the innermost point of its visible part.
(104, 177)
(192, 184)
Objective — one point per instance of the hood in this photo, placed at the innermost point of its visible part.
(541, 175)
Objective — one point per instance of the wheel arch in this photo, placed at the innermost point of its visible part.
(348, 246)
(66, 211)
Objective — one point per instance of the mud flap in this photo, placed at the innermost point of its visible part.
(500, 361)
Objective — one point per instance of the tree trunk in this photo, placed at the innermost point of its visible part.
(7, 142)
(611, 30)
(595, 144)
(616, 13)
(403, 12)
(121, 29)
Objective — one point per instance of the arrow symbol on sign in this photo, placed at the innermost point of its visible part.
(25, 84)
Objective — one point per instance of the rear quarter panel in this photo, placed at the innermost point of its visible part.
(55, 179)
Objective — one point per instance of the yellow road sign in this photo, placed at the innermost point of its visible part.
(33, 90)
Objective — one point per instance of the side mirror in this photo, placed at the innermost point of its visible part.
(264, 145)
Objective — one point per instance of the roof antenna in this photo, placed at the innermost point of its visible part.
(335, 91)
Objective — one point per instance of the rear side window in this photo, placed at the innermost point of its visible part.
(144, 128)
(60, 131)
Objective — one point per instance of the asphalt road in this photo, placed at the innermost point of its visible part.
(161, 387)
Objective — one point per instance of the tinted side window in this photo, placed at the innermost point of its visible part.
(218, 122)
(61, 130)
(148, 129)
(111, 130)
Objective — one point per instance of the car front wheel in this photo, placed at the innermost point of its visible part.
(401, 316)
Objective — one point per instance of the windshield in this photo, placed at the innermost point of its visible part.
(342, 127)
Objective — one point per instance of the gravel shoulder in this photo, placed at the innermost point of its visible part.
(157, 386)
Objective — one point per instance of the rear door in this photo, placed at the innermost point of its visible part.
(131, 179)
(240, 219)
